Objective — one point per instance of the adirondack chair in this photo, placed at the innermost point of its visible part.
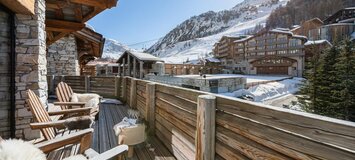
(82, 137)
(43, 122)
(57, 144)
(64, 94)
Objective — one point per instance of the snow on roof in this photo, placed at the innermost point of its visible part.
(195, 61)
(317, 42)
(243, 39)
(142, 56)
(349, 8)
(211, 59)
(281, 31)
(300, 36)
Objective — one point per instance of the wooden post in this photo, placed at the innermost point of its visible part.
(117, 86)
(124, 89)
(150, 107)
(129, 65)
(124, 67)
(87, 84)
(141, 69)
(119, 70)
(133, 96)
(134, 67)
(205, 131)
(52, 85)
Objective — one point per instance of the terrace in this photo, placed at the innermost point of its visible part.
(182, 123)
(187, 124)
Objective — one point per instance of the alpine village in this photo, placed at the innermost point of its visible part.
(265, 79)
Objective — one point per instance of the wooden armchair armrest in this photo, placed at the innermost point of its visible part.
(85, 111)
(83, 137)
(81, 104)
(111, 153)
(56, 124)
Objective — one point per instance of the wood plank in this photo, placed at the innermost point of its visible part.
(188, 94)
(19, 6)
(319, 128)
(63, 26)
(182, 114)
(249, 148)
(178, 102)
(163, 116)
(228, 153)
(305, 148)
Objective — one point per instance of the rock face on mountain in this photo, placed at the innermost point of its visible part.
(113, 49)
(211, 23)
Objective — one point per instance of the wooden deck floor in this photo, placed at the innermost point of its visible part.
(105, 139)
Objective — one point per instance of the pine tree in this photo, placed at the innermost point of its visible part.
(310, 88)
(345, 92)
(327, 104)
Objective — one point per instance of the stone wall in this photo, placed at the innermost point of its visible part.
(4, 74)
(62, 57)
(30, 66)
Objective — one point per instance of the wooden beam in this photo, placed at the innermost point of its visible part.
(205, 127)
(63, 26)
(91, 14)
(150, 107)
(94, 3)
(133, 96)
(59, 14)
(20, 6)
(57, 37)
(78, 13)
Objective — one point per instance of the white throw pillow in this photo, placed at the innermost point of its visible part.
(74, 98)
(93, 103)
(15, 149)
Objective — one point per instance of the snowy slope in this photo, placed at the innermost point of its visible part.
(114, 49)
(204, 32)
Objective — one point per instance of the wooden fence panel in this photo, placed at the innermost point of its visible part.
(176, 119)
(260, 132)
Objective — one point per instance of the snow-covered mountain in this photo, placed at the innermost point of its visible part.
(113, 49)
(195, 37)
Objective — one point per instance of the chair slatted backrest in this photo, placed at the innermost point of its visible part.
(64, 93)
(40, 114)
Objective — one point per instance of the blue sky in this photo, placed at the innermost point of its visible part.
(134, 21)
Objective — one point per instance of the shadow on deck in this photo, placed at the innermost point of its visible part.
(104, 137)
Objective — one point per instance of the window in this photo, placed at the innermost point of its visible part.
(295, 42)
(281, 52)
(271, 53)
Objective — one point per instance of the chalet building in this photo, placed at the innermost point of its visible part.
(277, 52)
(309, 28)
(223, 50)
(136, 64)
(35, 34)
(336, 27)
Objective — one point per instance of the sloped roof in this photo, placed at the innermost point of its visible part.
(323, 41)
(140, 56)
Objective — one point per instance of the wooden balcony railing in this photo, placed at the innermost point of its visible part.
(195, 126)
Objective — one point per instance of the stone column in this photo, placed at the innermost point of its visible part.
(62, 57)
(31, 66)
(124, 67)
(129, 64)
(141, 71)
(134, 67)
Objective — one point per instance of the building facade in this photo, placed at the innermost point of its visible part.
(276, 52)
(27, 30)
(336, 27)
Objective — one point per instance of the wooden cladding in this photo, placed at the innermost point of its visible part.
(20, 6)
(242, 129)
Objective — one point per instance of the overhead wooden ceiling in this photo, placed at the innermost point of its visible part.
(89, 44)
(68, 16)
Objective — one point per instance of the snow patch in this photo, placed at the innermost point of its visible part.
(263, 92)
